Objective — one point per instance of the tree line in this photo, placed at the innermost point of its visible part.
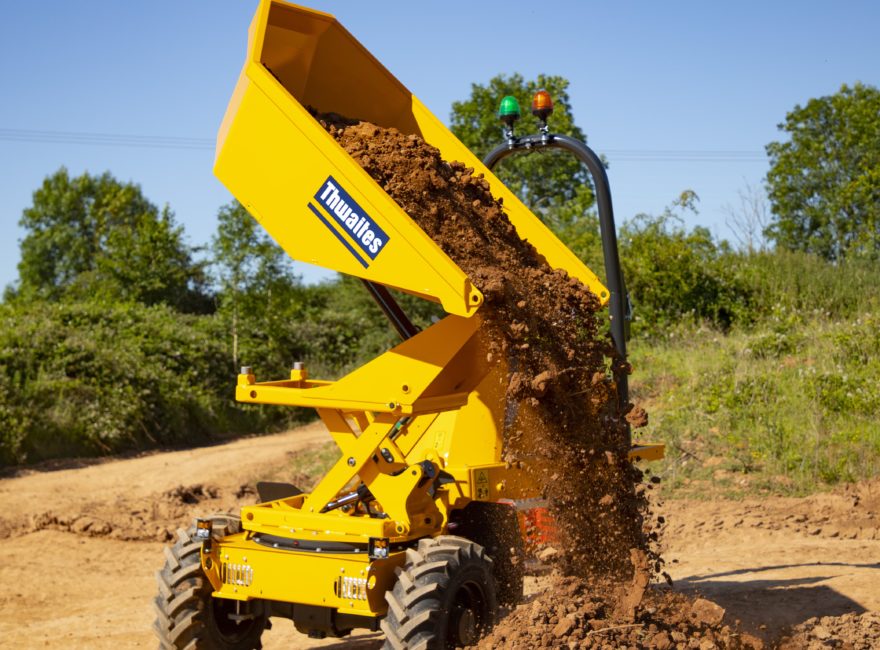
(120, 334)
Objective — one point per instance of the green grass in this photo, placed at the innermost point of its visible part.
(789, 407)
(310, 465)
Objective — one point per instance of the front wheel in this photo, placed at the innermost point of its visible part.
(444, 597)
(187, 616)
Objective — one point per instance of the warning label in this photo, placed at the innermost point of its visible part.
(482, 482)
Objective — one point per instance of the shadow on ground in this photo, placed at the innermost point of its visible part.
(365, 642)
(784, 601)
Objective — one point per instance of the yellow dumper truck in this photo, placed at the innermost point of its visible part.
(406, 532)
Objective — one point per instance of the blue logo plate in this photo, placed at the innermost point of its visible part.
(369, 238)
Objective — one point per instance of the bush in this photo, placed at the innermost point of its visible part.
(86, 378)
(90, 378)
(674, 274)
(808, 285)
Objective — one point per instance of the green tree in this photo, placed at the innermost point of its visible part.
(552, 183)
(259, 293)
(824, 182)
(96, 236)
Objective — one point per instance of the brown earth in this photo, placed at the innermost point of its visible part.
(775, 572)
(71, 587)
(82, 540)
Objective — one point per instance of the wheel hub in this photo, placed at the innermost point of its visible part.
(465, 626)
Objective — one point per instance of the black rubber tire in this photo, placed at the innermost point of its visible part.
(495, 527)
(444, 596)
(187, 616)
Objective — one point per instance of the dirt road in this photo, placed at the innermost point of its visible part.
(80, 545)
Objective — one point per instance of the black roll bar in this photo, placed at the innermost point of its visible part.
(618, 306)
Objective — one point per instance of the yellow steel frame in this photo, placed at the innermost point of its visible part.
(309, 578)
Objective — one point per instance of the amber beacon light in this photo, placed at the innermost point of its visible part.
(542, 105)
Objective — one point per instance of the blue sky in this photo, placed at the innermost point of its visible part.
(676, 95)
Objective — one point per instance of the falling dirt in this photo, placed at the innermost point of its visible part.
(569, 430)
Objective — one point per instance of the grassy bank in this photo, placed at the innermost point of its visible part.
(789, 406)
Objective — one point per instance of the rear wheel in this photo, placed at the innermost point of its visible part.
(187, 616)
(444, 596)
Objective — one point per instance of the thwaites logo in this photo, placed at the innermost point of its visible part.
(348, 218)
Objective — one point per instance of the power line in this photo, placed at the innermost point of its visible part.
(105, 139)
(201, 144)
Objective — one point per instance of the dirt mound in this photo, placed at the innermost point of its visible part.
(80, 524)
(155, 518)
(850, 631)
(190, 494)
(570, 614)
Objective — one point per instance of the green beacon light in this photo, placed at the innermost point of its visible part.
(508, 111)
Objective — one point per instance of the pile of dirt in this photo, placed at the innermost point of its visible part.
(153, 519)
(571, 615)
(850, 631)
(566, 426)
